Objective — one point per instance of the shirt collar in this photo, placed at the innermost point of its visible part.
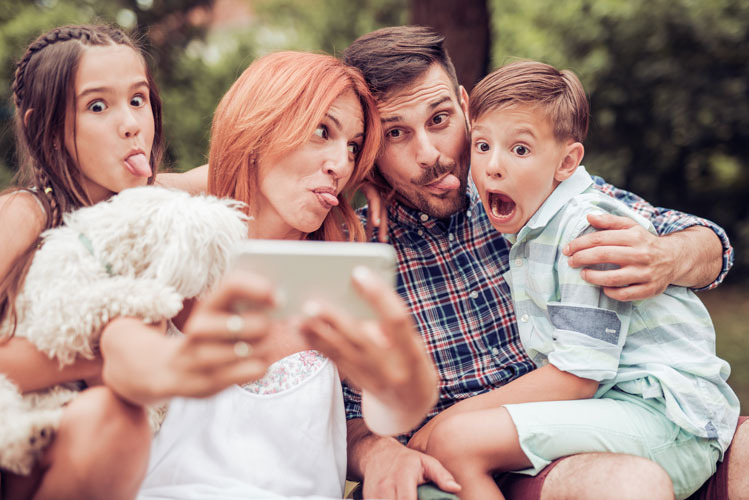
(414, 219)
(578, 182)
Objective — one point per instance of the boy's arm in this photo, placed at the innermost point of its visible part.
(691, 252)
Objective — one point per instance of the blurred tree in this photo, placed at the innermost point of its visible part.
(466, 28)
(669, 87)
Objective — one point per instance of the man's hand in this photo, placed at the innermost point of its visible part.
(647, 263)
(390, 470)
(377, 212)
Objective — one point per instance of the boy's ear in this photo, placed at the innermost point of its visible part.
(463, 97)
(573, 156)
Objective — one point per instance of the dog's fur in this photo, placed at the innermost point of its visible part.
(141, 253)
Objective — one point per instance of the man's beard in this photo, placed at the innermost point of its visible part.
(441, 207)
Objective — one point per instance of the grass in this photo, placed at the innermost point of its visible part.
(729, 308)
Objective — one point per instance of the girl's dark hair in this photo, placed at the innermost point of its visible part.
(43, 93)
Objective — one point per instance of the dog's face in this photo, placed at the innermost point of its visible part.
(161, 234)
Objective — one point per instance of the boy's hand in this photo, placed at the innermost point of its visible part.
(646, 266)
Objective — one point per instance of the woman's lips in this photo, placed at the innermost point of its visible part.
(327, 197)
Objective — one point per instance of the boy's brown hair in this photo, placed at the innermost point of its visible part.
(559, 93)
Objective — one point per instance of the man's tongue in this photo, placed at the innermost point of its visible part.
(502, 205)
(138, 165)
(447, 183)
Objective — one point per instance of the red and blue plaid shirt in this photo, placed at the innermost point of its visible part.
(450, 273)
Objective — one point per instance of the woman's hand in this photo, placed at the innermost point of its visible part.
(224, 343)
(384, 357)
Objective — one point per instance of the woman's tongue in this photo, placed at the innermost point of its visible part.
(502, 206)
(138, 165)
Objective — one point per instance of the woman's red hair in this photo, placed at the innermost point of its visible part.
(273, 109)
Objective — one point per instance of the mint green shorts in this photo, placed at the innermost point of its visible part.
(617, 423)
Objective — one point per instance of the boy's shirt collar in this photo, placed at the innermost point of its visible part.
(575, 184)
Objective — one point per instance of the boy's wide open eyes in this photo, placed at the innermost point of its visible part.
(520, 150)
(482, 146)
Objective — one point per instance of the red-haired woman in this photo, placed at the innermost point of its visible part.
(292, 138)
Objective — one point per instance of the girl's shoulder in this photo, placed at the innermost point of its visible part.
(22, 220)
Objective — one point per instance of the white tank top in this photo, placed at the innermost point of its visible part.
(281, 437)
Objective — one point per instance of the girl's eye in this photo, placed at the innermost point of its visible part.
(322, 132)
(97, 106)
(482, 146)
(439, 119)
(137, 101)
(354, 149)
(520, 150)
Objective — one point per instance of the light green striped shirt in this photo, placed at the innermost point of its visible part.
(662, 348)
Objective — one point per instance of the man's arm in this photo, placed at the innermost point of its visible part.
(193, 181)
(691, 251)
(388, 468)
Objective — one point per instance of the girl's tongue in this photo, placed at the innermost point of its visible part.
(138, 165)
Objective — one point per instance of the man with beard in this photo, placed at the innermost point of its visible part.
(451, 262)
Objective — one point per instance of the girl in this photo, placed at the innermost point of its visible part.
(88, 125)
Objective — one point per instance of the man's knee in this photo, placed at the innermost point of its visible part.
(593, 476)
(738, 464)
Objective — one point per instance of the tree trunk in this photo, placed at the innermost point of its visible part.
(465, 25)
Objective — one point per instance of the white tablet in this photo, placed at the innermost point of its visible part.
(303, 270)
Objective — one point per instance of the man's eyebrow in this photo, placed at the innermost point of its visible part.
(390, 119)
(439, 101)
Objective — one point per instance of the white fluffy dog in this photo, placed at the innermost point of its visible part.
(141, 253)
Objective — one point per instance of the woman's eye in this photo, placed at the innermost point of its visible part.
(439, 119)
(137, 101)
(354, 148)
(322, 132)
(97, 106)
(482, 146)
(520, 150)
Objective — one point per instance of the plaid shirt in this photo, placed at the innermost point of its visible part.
(450, 273)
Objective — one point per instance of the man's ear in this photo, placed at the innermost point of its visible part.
(463, 95)
(574, 153)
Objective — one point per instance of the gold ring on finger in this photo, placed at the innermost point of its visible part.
(234, 324)
(242, 349)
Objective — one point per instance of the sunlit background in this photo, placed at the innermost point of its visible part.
(668, 82)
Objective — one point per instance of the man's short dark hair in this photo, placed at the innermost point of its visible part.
(392, 58)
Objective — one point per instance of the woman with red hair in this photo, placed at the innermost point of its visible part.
(293, 138)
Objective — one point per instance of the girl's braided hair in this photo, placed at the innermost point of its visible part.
(44, 97)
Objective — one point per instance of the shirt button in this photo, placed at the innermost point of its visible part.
(420, 232)
(468, 213)
(474, 295)
(451, 236)
(519, 262)
(424, 217)
(495, 351)
(524, 318)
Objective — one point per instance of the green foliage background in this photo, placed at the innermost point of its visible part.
(668, 79)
